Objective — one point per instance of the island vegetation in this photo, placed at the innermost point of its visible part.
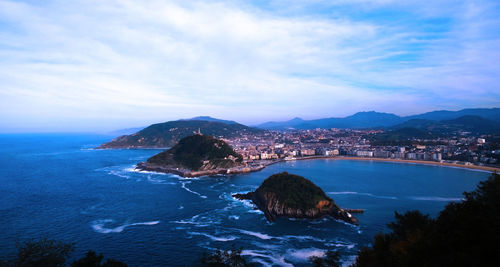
(196, 155)
(289, 195)
(167, 134)
(191, 152)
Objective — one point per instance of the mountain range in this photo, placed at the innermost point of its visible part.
(372, 119)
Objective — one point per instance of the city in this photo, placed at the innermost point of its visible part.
(460, 149)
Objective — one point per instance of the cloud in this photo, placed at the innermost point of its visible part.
(121, 63)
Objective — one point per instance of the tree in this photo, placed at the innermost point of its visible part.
(91, 259)
(330, 259)
(221, 258)
(43, 253)
(465, 233)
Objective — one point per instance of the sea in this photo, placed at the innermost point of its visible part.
(58, 186)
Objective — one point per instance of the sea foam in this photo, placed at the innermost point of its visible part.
(99, 226)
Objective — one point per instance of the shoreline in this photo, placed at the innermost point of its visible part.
(191, 174)
(422, 162)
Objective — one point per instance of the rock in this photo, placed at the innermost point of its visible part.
(293, 196)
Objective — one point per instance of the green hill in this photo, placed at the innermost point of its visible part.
(293, 191)
(167, 134)
(198, 152)
(293, 196)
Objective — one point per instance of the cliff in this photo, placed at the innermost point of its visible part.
(195, 155)
(293, 196)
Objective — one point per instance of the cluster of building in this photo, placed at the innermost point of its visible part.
(297, 144)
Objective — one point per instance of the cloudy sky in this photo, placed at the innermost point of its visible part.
(102, 65)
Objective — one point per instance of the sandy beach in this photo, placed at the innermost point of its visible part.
(425, 162)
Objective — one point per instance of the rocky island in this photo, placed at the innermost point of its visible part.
(293, 196)
(198, 155)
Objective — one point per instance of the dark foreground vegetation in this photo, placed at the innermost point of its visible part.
(51, 253)
(465, 233)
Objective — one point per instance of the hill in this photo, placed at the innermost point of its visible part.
(469, 123)
(487, 113)
(359, 120)
(289, 195)
(169, 133)
(208, 118)
(421, 129)
(194, 151)
(372, 119)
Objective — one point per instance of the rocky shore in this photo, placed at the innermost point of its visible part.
(292, 196)
(145, 166)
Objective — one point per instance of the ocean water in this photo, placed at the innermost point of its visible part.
(57, 186)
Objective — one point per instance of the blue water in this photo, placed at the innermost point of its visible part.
(57, 186)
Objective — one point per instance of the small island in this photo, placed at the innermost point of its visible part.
(198, 155)
(293, 196)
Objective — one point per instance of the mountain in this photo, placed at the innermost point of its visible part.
(372, 119)
(422, 129)
(283, 125)
(359, 120)
(293, 196)
(487, 113)
(198, 153)
(126, 131)
(468, 123)
(208, 118)
(167, 134)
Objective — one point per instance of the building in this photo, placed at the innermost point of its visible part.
(363, 153)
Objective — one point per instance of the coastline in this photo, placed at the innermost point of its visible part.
(423, 162)
(263, 164)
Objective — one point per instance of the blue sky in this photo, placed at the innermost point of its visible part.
(103, 65)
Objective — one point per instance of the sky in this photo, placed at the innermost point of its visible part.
(103, 65)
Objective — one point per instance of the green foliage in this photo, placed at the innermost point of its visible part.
(331, 259)
(191, 151)
(294, 191)
(229, 258)
(169, 133)
(466, 233)
(91, 259)
(43, 253)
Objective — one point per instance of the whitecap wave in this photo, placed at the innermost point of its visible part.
(99, 226)
(234, 217)
(256, 234)
(119, 174)
(183, 185)
(430, 198)
(215, 238)
(304, 238)
(275, 260)
(360, 194)
(304, 254)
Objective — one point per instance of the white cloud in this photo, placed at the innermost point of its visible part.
(124, 62)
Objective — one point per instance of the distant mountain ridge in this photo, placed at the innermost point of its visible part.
(372, 119)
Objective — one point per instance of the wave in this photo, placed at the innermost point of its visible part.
(98, 226)
(191, 191)
(348, 246)
(360, 194)
(275, 260)
(234, 217)
(430, 198)
(304, 238)
(119, 174)
(256, 234)
(215, 238)
(304, 254)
